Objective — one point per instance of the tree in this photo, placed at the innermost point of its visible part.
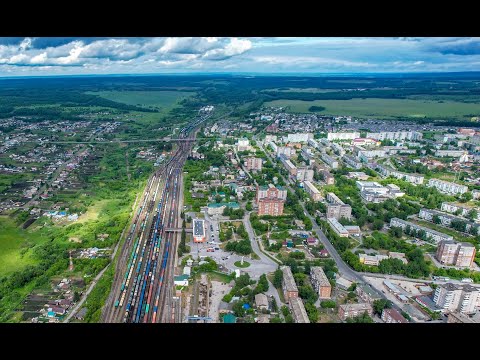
(300, 278)
(289, 319)
(364, 318)
(312, 312)
(249, 206)
(473, 214)
(238, 309)
(262, 285)
(328, 304)
(285, 310)
(278, 278)
(76, 296)
(380, 304)
(377, 224)
(307, 293)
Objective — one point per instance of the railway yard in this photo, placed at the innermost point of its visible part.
(143, 289)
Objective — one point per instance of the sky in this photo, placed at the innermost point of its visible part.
(76, 56)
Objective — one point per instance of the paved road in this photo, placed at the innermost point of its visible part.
(85, 295)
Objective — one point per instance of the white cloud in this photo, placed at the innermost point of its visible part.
(234, 47)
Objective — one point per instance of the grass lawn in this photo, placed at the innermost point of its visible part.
(239, 264)
(93, 211)
(383, 108)
(163, 99)
(11, 240)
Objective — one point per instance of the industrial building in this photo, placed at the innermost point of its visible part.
(198, 230)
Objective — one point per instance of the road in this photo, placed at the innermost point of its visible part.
(143, 288)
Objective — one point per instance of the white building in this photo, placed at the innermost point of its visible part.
(373, 260)
(432, 235)
(447, 187)
(411, 178)
(300, 137)
(456, 298)
(304, 174)
(337, 227)
(462, 209)
(449, 153)
(243, 144)
(396, 135)
(343, 136)
(288, 151)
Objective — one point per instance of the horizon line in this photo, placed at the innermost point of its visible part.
(260, 74)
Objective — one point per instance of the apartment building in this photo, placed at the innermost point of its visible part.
(313, 143)
(392, 316)
(271, 200)
(366, 293)
(352, 162)
(253, 163)
(337, 208)
(289, 166)
(449, 153)
(411, 178)
(351, 310)
(299, 137)
(328, 178)
(285, 150)
(289, 287)
(343, 135)
(299, 314)
(396, 135)
(432, 235)
(447, 187)
(456, 298)
(243, 144)
(365, 155)
(447, 219)
(333, 163)
(320, 282)
(456, 254)
(459, 209)
(304, 174)
(312, 191)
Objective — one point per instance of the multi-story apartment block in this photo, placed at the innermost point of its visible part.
(337, 208)
(449, 153)
(243, 144)
(392, 316)
(288, 151)
(299, 137)
(320, 282)
(304, 174)
(333, 163)
(253, 163)
(447, 219)
(352, 162)
(459, 209)
(396, 135)
(328, 178)
(299, 314)
(343, 136)
(456, 298)
(312, 191)
(431, 235)
(411, 178)
(271, 200)
(351, 310)
(289, 286)
(456, 254)
(447, 187)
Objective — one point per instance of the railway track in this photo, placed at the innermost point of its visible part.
(143, 286)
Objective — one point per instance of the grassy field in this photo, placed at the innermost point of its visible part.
(11, 240)
(305, 90)
(166, 100)
(383, 108)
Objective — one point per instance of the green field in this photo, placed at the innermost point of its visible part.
(383, 108)
(11, 240)
(166, 100)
